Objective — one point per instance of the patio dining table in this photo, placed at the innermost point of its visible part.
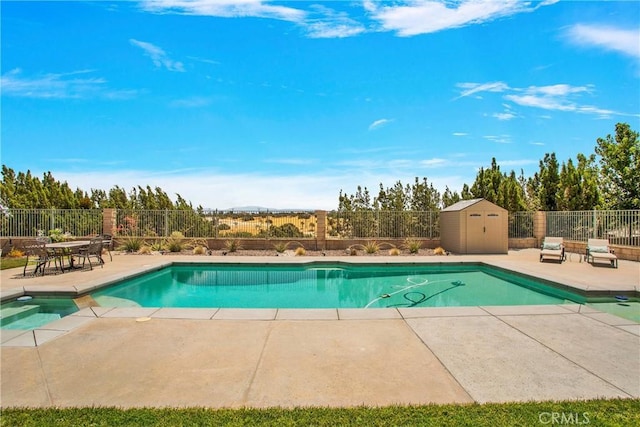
(67, 249)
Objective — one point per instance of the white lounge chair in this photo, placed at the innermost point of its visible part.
(599, 250)
(552, 247)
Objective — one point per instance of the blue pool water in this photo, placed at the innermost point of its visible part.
(329, 286)
(35, 312)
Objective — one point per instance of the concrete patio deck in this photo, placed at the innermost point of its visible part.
(134, 357)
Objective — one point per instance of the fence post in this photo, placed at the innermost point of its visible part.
(539, 226)
(321, 230)
(108, 221)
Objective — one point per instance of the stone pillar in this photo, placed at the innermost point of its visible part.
(539, 226)
(109, 221)
(321, 230)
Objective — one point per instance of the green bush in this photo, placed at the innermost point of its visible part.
(412, 245)
(232, 245)
(175, 242)
(132, 244)
(371, 247)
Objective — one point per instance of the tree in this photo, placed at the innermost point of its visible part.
(620, 168)
(578, 186)
(449, 197)
(548, 180)
(493, 185)
(487, 183)
(424, 197)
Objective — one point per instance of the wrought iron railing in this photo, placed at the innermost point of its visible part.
(620, 227)
(521, 225)
(33, 222)
(216, 224)
(383, 224)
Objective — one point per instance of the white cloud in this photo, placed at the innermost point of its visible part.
(327, 23)
(225, 9)
(558, 97)
(500, 139)
(460, 134)
(471, 88)
(504, 116)
(158, 56)
(379, 123)
(59, 86)
(317, 22)
(625, 41)
(429, 16)
(433, 163)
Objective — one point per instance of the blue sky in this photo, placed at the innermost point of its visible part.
(283, 104)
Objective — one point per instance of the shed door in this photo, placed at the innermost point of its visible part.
(484, 233)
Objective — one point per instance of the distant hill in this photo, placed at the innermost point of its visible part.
(263, 209)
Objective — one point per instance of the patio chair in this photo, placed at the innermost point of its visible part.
(93, 250)
(107, 243)
(599, 250)
(38, 253)
(553, 247)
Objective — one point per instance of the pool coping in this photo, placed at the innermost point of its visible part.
(52, 330)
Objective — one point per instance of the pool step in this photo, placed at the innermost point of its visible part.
(11, 314)
(85, 301)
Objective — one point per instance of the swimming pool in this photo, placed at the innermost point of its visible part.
(329, 285)
(30, 313)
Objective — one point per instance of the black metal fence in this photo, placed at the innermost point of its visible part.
(620, 227)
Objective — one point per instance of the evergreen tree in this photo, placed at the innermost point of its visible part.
(449, 197)
(547, 182)
(620, 168)
(423, 196)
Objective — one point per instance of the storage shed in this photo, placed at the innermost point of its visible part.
(474, 226)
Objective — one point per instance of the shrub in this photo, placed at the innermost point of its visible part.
(156, 246)
(439, 251)
(57, 235)
(132, 244)
(280, 247)
(301, 251)
(394, 251)
(371, 247)
(199, 250)
(232, 245)
(15, 253)
(175, 242)
(145, 250)
(412, 245)
(285, 230)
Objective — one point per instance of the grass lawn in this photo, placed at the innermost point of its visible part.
(6, 262)
(615, 412)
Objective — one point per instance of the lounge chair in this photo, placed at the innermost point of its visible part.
(599, 250)
(552, 247)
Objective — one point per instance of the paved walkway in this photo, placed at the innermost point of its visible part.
(132, 357)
